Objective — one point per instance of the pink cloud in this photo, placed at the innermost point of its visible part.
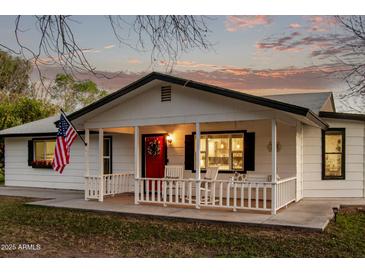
(234, 23)
(320, 46)
(109, 46)
(295, 26)
(284, 43)
(321, 23)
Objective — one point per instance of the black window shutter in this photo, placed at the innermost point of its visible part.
(30, 152)
(249, 157)
(189, 152)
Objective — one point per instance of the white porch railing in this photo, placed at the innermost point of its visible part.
(112, 184)
(213, 194)
(285, 192)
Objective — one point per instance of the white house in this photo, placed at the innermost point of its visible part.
(161, 120)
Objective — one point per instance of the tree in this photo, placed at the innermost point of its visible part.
(14, 74)
(70, 94)
(17, 109)
(352, 57)
(17, 102)
(165, 36)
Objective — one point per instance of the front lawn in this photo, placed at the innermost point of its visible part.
(73, 233)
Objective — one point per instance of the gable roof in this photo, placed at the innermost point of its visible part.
(42, 127)
(307, 105)
(267, 102)
(314, 101)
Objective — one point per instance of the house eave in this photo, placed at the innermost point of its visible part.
(266, 102)
(318, 121)
(341, 115)
(28, 134)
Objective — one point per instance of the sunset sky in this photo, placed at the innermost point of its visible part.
(255, 54)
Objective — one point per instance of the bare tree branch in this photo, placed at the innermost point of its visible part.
(353, 56)
(165, 36)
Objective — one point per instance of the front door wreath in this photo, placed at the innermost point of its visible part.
(153, 148)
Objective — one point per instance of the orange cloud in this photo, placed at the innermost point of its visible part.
(255, 81)
(270, 81)
(234, 23)
(187, 64)
(134, 61)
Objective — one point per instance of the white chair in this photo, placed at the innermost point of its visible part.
(211, 173)
(256, 177)
(174, 172)
(239, 177)
(206, 188)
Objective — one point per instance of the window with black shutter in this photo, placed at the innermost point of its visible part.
(189, 152)
(249, 151)
(231, 151)
(30, 152)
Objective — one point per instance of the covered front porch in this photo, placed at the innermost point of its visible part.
(274, 182)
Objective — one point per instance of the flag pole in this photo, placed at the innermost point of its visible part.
(64, 114)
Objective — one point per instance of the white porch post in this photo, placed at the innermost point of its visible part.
(86, 160)
(101, 164)
(197, 165)
(273, 166)
(299, 161)
(136, 164)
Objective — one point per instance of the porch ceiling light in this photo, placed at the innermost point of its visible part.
(169, 139)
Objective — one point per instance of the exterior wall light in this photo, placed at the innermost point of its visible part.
(169, 139)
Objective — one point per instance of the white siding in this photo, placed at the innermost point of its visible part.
(123, 152)
(262, 128)
(187, 106)
(18, 173)
(353, 185)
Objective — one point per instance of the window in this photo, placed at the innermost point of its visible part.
(107, 157)
(43, 153)
(333, 154)
(222, 149)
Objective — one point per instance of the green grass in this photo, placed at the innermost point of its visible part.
(72, 233)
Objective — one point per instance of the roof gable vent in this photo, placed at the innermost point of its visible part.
(166, 94)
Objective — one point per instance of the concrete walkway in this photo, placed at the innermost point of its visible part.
(311, 214)
(41, 193)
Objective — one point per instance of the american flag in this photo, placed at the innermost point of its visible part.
(65, 136)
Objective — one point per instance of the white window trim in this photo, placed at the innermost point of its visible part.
(229, 135)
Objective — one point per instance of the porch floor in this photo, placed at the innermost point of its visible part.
(309, 213)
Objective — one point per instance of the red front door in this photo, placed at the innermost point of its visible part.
(155, 157)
